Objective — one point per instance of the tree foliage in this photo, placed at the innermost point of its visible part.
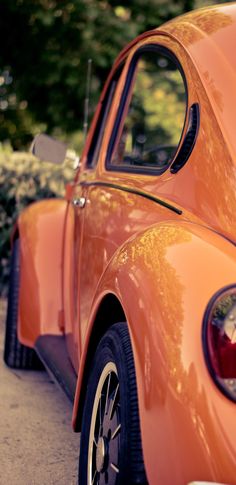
(44, 52)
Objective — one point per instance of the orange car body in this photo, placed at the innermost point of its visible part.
(154, 249)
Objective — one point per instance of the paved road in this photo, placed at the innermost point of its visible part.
(37, 444)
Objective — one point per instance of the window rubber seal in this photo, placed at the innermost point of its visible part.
(189, 139)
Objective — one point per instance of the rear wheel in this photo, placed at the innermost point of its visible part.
(16, 355)
(111, 449)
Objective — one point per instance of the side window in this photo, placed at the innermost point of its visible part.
(155, 117)
(95, 145)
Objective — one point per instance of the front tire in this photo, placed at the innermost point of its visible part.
(110, 448)
(16, 355)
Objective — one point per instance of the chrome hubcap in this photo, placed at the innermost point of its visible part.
(104, 437)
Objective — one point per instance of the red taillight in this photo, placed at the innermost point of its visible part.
(219, 339)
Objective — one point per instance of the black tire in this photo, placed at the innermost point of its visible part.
(16, 355)
(110, 446)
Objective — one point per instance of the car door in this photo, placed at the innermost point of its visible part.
(131, 150)
(74, 223)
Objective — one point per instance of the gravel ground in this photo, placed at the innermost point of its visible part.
(37, 444)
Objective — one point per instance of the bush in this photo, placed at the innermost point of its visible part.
(23, 179)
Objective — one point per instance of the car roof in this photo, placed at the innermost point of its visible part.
(208, 35)
(204, 23)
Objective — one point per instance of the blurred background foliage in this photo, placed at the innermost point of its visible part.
(44, 53)
(44, 50)
(23, 179)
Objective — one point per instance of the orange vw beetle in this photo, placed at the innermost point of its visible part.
(126, 289)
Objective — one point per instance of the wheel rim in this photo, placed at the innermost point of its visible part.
(104, 436)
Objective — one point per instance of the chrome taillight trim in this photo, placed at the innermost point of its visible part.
(217, 380)
(206, 483)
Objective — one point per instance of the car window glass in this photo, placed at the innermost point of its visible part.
(95, 145)
(156, 114)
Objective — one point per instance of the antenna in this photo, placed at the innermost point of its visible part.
(86, 102)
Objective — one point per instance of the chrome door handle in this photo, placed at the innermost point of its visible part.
(80, 202)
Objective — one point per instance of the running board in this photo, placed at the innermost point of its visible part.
(52, 351)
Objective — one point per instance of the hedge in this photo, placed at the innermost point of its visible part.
(23, 179)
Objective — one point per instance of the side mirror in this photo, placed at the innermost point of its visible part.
(47, 149)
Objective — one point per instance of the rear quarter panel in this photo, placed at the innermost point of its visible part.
(164, 278)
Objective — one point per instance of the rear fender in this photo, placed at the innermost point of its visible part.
(164, 279)
(41, 228)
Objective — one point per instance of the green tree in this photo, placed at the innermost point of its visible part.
(44, 52)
